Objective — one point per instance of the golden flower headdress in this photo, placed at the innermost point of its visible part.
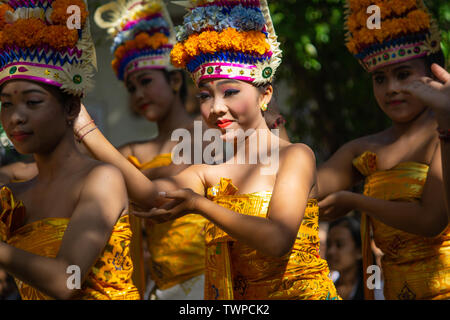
(47, 41)
(227, 39)
(407, 31)
(143, 34)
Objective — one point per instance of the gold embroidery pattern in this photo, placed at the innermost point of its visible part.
(237, 271)
(413, 266)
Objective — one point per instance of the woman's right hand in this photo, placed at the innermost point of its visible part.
(433, 93)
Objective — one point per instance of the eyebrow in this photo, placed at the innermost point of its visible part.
(406, 66)
(144, 74)
(220, 83)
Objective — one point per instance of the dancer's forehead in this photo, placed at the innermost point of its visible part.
(396, 67)
(210, 83)
(22, 87)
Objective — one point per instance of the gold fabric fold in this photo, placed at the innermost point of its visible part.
(414, 267)
(109, 278)
(177, 248)
(237, 271)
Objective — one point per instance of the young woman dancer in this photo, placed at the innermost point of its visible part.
(143, 37)
(261, 240)
(403, 201)
(65, 233)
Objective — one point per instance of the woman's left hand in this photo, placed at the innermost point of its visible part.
(335, 205)
(184, 201)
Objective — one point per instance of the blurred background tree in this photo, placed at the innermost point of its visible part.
(331, 99)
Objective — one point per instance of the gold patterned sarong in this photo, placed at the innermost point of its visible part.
(110, 276)
(177, 248)
(414, 267)
(237, 271)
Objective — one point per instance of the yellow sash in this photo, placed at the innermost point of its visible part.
(237, 271)
(414, 267)
(110, 276)
(177, 248)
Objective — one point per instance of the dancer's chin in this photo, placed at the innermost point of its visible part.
(230, 135)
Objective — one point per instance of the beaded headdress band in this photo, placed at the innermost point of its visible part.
(407, 31)
(233, 39)
(143, 34)
(39, 41)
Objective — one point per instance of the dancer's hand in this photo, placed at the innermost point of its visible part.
(433, 93)
(335, 205)
(184, 201)
(83, 122)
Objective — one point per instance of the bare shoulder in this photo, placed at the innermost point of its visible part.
(139, 148)
(102, 175)
(19, 188)
(295, 152)
(362, 144)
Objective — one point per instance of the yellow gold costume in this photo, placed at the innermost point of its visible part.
(237, 271)
(110, 276)
(414, 267)
(177, 248)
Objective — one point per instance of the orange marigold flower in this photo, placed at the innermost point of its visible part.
(400, 7)
(226, 37)
(352, 46)
(191, 45)
(178, 56)
(120, 52)
(25, 32)
(255, 41)
(115, 65)
(418, 20)
(60, 37)
(357, 5)
(59, 14)
(130, 45)
(158, 40)
(3, 8)
(208, 42)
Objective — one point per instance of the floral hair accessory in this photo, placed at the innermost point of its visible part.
(143, 34)
(37, 43)
(407, 31)
(231, 39)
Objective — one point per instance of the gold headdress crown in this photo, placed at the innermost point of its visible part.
(232, 39)
(47, 41)
(406, 31)
(143, 34)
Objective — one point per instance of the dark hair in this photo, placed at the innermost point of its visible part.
(437, 58)
(272, 115)
(352, 224)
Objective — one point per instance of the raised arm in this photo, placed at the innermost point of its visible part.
(17, 171)
(338, 173)
(426, 218)
(103, 199)
(140, 189)
(435, 93)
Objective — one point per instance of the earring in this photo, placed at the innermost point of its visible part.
(264, 107)
(70, 122)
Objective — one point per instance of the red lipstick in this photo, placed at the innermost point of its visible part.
(223, 123)
(20, 135)
(394, 103)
